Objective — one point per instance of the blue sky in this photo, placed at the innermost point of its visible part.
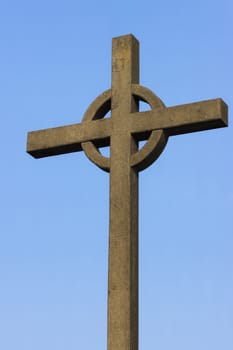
(55, 59)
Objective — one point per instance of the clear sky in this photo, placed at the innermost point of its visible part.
(55, 59)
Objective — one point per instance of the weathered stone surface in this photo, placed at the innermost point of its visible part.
(122, 131)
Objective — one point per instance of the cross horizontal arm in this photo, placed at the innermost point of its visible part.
(66, 139)
(181, 119)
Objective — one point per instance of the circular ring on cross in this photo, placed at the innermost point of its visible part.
(150, 151)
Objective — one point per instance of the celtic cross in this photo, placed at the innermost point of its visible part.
(122, 132)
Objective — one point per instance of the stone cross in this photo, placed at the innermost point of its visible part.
(122, 132)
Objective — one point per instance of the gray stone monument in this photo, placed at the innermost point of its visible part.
(122, 132)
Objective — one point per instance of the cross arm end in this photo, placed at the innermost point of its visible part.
(182, 119)
(223, 112)
(49, 142)
(198, 116)
(67, 139)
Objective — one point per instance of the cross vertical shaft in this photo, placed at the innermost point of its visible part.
(123, 237)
